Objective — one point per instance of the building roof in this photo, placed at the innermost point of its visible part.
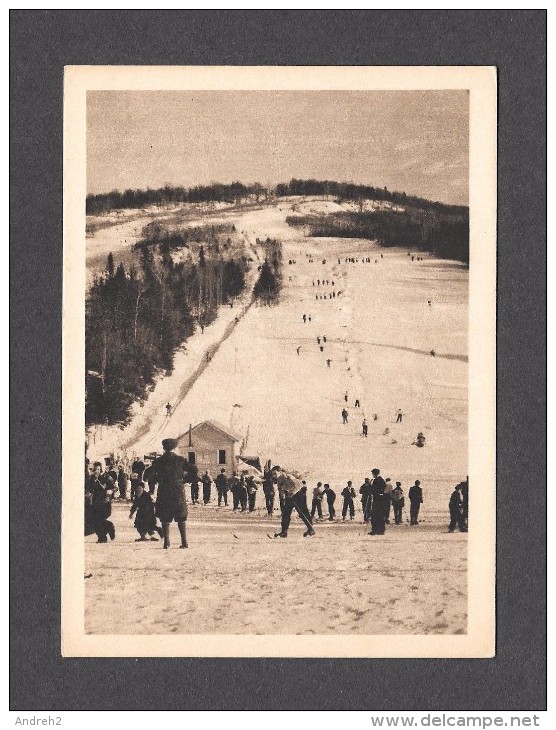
(216, 425)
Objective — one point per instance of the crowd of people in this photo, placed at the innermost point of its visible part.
(157, 492)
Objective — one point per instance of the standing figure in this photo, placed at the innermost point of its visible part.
(251, 492)
(330, 499)
(168, 471)
(398, 502)
(455, 505)
(365, 492)
(328, 362)
(364, 428)
(415, 500)
(346, 396)
(195, 488)
(348, 493)
(357, 403)
(122, 482)
(344, 415)
(294, 498)
(269, 492)
(168, 410)
(234, 489)
(222, 488)
(207, 484)
(99, 500)
(378, 487)
(316, 504)
(399, 416)
(388, 499)
(304, 317)
(145, 519)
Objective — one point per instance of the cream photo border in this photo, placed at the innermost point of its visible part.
(481, 83)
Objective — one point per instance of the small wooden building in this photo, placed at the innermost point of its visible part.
(209, 445)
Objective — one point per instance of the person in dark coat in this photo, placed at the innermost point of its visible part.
(378, 513)
(269, 491)
(222, 488)
(145, 520)
(251, 492)
(344, 415)
(168, 471)
(330, 499)
(415, 500)
(365, 492)
(316, 504)
(100, 506)
(398, 502)
(194, 482)
(455, 505)
(235, 489)
(207, 484)
(122, 482)
(348, 493)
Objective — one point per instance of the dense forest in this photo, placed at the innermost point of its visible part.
(236, 192)
(136, 319)
(269, 283)
(444, 232)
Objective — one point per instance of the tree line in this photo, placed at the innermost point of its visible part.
(216, 192)
(442, 232)
(236, 192)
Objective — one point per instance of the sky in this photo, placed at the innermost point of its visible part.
(411, 141)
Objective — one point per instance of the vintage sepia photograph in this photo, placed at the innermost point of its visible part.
(279, 361)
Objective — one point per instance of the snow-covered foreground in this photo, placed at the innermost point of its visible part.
(413, 580)
(379, 335)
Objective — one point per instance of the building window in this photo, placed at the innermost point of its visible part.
(191, 457)
(222, 456)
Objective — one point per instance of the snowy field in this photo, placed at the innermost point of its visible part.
(379, 335)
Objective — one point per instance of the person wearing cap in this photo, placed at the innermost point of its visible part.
(378, 513)
(348, 493)
(294, 498)
(415, 499)
(168, 471)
